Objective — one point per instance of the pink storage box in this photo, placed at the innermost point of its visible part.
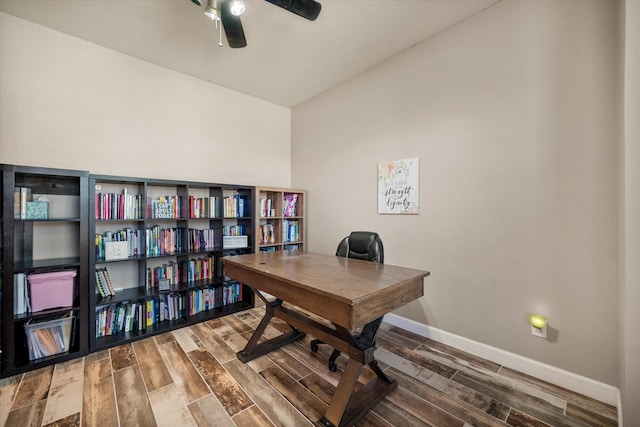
(51, 290)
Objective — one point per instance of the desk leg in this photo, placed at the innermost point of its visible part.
(342, 396)
(253, 350)
(347, 407)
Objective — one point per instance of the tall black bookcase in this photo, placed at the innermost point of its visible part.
(159, 244)
(52, 238)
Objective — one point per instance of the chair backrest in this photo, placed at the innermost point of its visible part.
(365, 245)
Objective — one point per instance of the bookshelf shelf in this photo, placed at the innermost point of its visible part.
(177, 231)
(280, 219)
(45, 313)
(46, 264)
(42, 241)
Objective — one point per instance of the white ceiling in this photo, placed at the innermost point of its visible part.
(288, 59)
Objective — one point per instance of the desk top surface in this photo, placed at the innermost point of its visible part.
(346, 291)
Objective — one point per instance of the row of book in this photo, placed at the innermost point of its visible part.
(133, 238)
(180, 272)
(234, 206)
(202, 240)
(205, 299)
(285, 248)
(119, 317)
(155, 241)
(152, 241)
(128, 206)
(289, 206)
(233, 230)
(204, 207)
(21, 195)
(174, 272)
(169, 271)
(266, 234)
(109, 206)
(139, 315)
(163, 241)
(267, 209)
(290, 230)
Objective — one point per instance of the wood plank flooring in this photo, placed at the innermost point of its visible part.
(191, 377)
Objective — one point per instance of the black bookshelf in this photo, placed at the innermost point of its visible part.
(131, 275)
(32, 245)
(65, 239)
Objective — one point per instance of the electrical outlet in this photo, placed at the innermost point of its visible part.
(539, 332)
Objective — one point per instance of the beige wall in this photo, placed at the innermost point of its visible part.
(510, 112)
(513, 114)
(630, 212)
(71, 104)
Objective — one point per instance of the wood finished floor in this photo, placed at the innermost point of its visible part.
(191, 377)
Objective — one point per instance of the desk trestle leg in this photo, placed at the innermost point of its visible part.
(253, 350)
(347, 407)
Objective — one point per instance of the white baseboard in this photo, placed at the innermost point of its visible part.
(583, 385)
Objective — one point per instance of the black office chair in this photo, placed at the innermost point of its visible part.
(367, 246)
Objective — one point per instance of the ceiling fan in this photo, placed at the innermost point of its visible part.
(228, 13)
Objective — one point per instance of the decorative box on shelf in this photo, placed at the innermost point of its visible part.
(163, 210)
(51, 290)
(234, 242)
(164, 284)
(37, 210)
(49, 337)
(116, 250)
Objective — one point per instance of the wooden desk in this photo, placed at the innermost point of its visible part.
(351, 294)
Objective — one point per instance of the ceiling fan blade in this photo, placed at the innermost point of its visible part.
(309, 9)
(197, 2)
(232, 26)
